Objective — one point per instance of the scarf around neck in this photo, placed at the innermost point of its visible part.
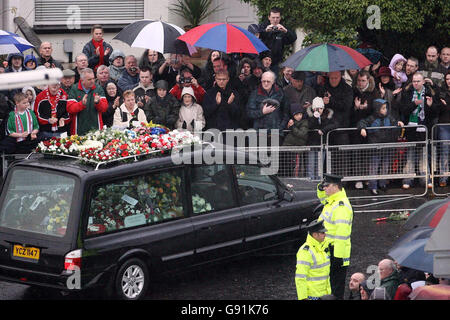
(101, 57)
(53, 100)
(19, 123)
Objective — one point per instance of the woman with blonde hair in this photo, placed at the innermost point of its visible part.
(128, 114)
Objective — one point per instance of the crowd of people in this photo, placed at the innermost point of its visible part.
(396, 282)
(109, 88)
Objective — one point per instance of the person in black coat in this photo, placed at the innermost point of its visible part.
(276, 36)
(114, 97)
(419, 106)
(338, 95)
(221, 104)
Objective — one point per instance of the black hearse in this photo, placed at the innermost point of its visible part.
(70, 226)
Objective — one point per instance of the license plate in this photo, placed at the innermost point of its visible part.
(26, 252)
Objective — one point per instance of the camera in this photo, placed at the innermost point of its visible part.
(184, 80)
(275, 28)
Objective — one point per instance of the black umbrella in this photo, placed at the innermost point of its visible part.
(156, 35)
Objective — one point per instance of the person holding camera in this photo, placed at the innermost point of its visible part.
(185, 79)
(170, 69)
(276, 36)
(130, 76)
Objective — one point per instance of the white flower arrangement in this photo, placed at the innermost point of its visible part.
(200, 205)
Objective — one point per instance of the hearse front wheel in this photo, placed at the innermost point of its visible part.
(132, 280)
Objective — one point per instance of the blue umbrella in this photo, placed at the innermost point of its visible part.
(12, 43)
(409, 250)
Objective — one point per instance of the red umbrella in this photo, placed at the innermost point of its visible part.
(225, 37)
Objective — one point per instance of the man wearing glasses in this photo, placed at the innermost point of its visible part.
(337, 216)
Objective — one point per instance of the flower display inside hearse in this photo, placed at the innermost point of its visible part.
(136, 201)
(111, 144)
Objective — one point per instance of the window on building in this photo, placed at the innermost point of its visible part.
(77, 14)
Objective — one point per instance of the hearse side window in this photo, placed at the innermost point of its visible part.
(142, 200)
(37, 201)
(253, 186)
(211, 189)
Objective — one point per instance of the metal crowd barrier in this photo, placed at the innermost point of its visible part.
(338, 153)
(299, 162)
(440, 151)
(385, 162)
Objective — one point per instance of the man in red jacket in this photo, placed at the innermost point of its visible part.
(50, 108)
(86, 104)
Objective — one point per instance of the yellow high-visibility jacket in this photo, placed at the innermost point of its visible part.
(312, 275)
(337, 216)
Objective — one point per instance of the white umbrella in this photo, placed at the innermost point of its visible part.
(12, 43)
(156, 35)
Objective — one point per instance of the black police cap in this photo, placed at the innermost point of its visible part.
(316, 226)
(331, 178)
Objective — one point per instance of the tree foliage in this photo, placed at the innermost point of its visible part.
(411, 25)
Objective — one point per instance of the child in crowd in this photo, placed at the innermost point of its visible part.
(320, 122)
(297, 136)
(379, 118)
(397, 65)
(31, 95)
(298, 127)
(22, 128)
(191, 115)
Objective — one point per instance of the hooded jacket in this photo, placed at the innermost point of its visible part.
(115, 72)
(10, 57)
(378, 120)
(191, 116)
(164, 111)
(29, 57)
(403, 77)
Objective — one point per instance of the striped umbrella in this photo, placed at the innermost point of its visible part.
(326, 57)
(12, 43)
(155, 35)
(225, 37)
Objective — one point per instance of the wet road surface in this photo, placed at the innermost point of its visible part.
(266, 275)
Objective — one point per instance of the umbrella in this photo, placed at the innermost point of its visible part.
(373, 55)
(225, 37)
(326, 57)
(431, 292)
(411, 254)
(439, 246)
(428, 214)
(415, 234)
(12, 43)
(156, 35)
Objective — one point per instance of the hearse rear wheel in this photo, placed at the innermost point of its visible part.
(132, 280)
